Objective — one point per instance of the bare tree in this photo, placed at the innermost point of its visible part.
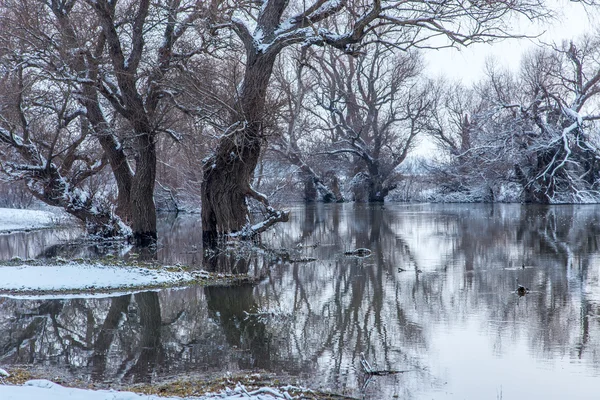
(474, 138)
(265, 28)
(111, 60)
(46, 135)
(296, 140)
(140, 43)
(374, 109)
(532, 131)
(563, 153)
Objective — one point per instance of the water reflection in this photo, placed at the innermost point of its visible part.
(179, 243)
(30, 245)
(436, 298)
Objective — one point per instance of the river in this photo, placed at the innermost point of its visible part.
(434, 307)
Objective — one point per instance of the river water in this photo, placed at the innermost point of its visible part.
(436, 300)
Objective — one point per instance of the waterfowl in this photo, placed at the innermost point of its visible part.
(521, 290)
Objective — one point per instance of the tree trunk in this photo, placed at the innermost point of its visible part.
(122, 174)
(334, 184)
(226, 183)
(143, 210)
(377, 188)
(228, 172)
(310, 190)
(377, 191)
(114, 152)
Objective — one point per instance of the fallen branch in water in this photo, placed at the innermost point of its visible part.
(249, 232)
(372, 372)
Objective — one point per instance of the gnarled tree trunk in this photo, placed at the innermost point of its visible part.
(228, 172)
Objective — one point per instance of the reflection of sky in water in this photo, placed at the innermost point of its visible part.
(450, 316)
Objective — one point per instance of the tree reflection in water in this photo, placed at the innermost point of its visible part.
(436, 297)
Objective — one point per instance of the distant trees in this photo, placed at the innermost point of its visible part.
(355, 118)
(372, 108)
(298, 140)
(528, 137)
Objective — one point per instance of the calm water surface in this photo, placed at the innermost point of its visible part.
(435, 299)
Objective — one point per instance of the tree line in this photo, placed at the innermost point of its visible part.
(107, 105)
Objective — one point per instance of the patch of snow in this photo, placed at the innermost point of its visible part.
(68, 296)
(285, 26)
(573, 115)
(44, 389)
(71, 277)
(12, 219)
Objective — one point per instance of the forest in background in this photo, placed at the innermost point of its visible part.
(114, 109)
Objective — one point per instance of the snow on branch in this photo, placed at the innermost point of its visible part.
(273, 217)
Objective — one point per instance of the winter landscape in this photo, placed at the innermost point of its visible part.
(325, 199)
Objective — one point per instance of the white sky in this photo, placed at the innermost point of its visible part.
(468, 63)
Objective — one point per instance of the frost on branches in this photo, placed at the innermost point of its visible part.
(530, 137)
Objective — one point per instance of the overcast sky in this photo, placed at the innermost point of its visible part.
(468, 63)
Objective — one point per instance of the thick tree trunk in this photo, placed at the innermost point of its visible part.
(122, 174)
(114, 152)
(377, 191)
(333, 183)
(228, 172)
(226, 183)
(377, 188)
(143, 210)
(310, 190)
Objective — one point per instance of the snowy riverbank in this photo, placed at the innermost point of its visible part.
(69, 279)
(43, 389)
(77, 279)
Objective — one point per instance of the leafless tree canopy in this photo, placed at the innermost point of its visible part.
(527, 137)
(108, 105)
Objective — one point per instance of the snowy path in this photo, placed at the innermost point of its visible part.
(46, 390)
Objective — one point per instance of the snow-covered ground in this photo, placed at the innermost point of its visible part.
(12, 219)
(46, 390)
(85, 280)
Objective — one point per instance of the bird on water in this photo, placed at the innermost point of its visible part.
(521, 290)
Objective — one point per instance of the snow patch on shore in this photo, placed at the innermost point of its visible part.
(43, 389)
(43, 280)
